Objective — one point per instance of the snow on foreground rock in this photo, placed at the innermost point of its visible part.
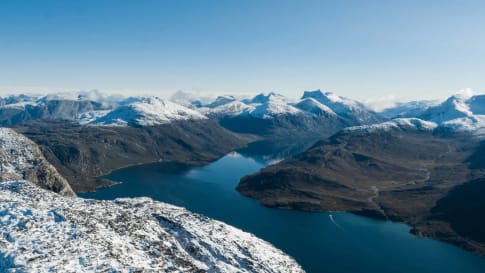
(21, 158)
(44, 232)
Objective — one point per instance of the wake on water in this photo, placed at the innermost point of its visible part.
(334, 222)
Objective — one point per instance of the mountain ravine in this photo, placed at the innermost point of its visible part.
(405, 170)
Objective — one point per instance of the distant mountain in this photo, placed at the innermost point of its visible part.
(18, 109)
(407, 109)
(311, 105)
(353, 110)
(147, 111)
(274, 116)
(221, 100)
(459, 113)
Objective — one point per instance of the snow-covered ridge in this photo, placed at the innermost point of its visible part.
(147, 111)
(408, 109)
(459, 113)
(21, 158)
(267, 106)
(400, 123)
(45, 232)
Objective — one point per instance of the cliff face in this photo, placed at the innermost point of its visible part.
(43, 231)
(21, 158)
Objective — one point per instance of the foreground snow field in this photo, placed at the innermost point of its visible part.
(42, 231)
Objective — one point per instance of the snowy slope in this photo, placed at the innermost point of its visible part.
(345, 107)
(271, 108)
(21, 158)
(221, 100)
(147, 112)
(270, 97)
(229, 109)
(459, 113)
(453, 108)
(312, 106)
(45, 232)
(408, 109)
(414, 124)
(261, 106)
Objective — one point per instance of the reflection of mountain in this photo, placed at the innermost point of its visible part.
(270, 150)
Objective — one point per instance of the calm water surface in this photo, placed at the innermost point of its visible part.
(320, 242)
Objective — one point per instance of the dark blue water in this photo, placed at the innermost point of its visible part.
(349, 243)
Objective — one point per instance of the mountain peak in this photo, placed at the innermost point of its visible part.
(148, 111)
(272, 96)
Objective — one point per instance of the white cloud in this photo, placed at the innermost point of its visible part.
(466, 93)
(379, 104)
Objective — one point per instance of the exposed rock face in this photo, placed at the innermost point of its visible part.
(21, 158)
(396, 170)
(45, 232)
(81, 153)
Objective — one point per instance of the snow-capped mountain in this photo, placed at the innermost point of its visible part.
(92, 95)
(271, 105)
(454, 107)
(261, 106)
(406, 124)
(274, 114)
(46, 232)
(221, 100)
(18, 101)
(460, 113)
(311, 105)
(21, 158)
(147, 111)
(22, 108)
(270, 97)
(408, 109)
(348, 108)
(229, 109)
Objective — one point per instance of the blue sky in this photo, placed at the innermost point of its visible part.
(360, 49)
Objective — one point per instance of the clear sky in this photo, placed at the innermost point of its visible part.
(360, 49)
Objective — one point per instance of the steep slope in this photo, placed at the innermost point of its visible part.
(81, 153)
(396, 170)
(45, 232)
(20, 158)
(147, 112)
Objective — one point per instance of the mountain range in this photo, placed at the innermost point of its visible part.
(413, 162)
